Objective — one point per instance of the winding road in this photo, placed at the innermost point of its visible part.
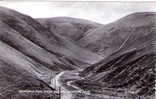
(57, 83)
(68, 88)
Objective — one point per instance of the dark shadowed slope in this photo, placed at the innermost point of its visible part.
(107, 39)
(73, 28)
(131, 66)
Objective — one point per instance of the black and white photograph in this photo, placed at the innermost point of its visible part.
(77, 49)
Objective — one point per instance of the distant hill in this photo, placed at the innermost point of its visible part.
(72, 28)
(130, 54)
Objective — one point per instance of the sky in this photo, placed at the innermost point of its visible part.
(101, 12)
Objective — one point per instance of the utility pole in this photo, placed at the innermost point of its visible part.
(55, 84)
(59, 92)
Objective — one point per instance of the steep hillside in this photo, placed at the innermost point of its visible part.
(18, 72)
(131, 66)
(73, 28)
(107, 39)
(23, 32)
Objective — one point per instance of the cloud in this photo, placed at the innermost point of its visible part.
(102, 12)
